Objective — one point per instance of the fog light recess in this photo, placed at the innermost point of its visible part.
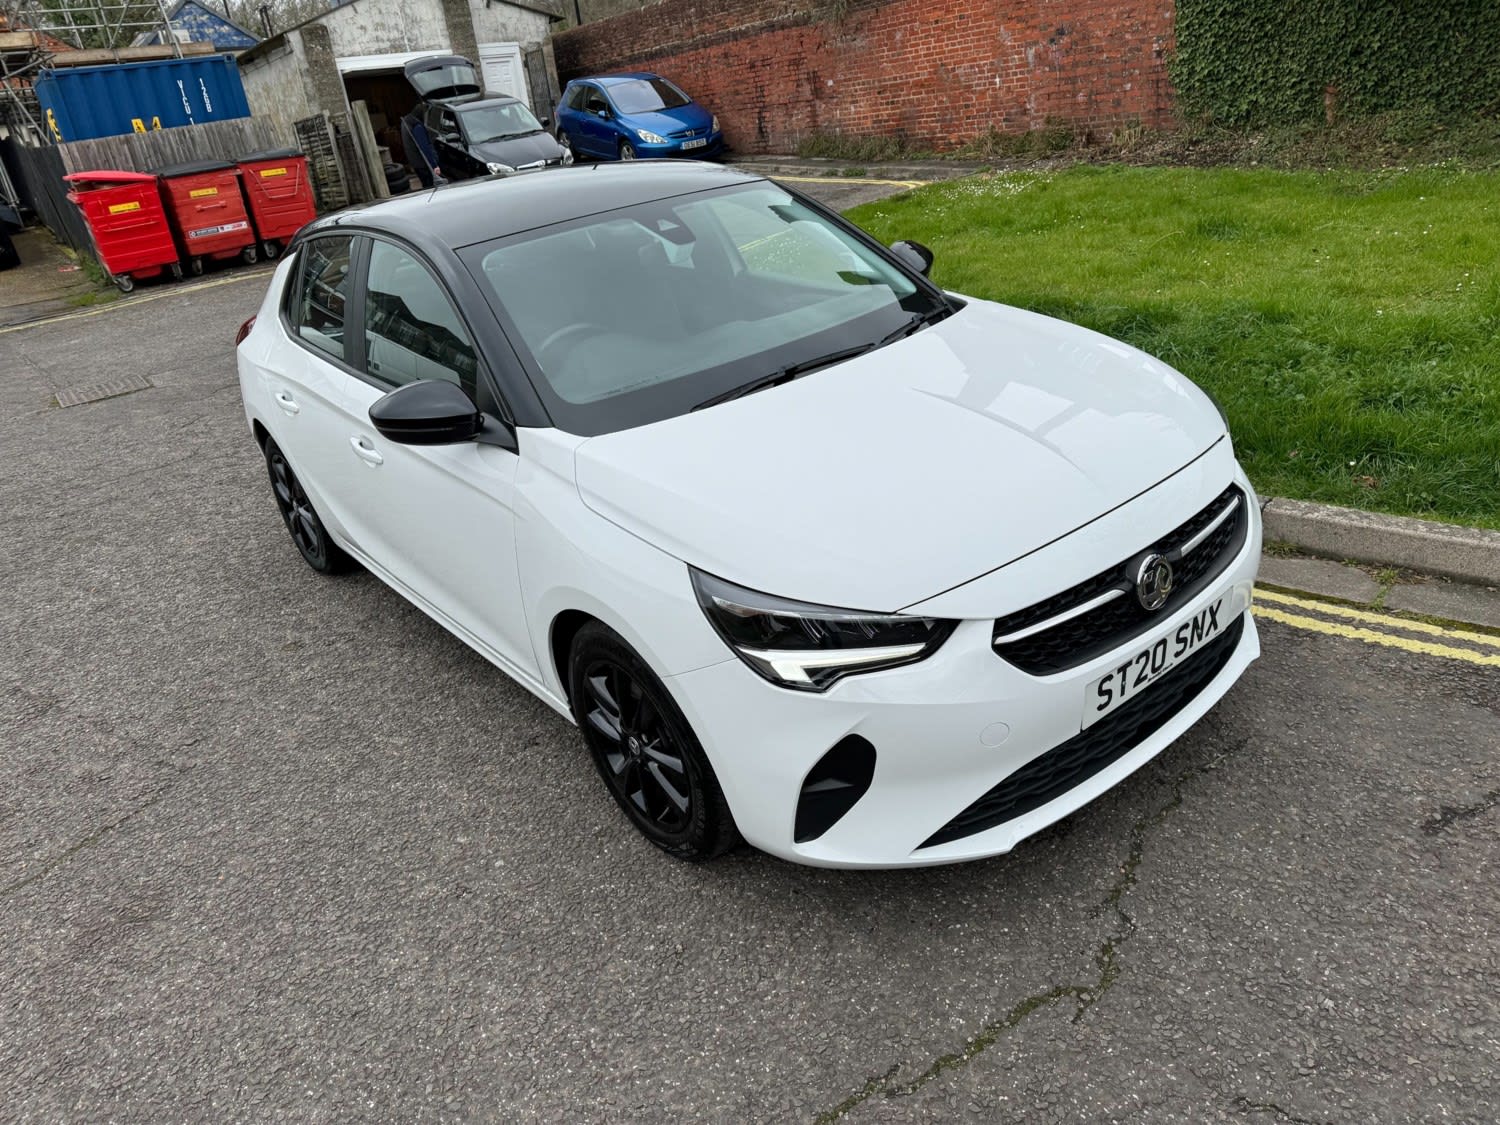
(834, 786)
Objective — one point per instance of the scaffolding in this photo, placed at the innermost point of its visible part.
(84, 25)
(36, 34)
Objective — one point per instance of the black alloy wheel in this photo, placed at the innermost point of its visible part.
(650, 761)
(301, 518)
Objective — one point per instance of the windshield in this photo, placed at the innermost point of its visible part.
(492, 122)
(642, 313)
(643, 95)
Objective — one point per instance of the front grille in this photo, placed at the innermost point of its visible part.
(682, 134)
(1070, 764)
(1106, 627)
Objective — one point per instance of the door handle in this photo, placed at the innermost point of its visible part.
(365, 451)
(287, 403)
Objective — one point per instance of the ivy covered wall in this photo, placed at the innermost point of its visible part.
(1264, 62)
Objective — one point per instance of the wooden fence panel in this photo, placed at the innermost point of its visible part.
(144, 152)
(42, 189)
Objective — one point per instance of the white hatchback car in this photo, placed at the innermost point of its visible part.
(812, 551)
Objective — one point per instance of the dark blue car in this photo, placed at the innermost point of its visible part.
(634, 116)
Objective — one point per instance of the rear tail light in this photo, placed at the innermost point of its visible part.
(239, 337)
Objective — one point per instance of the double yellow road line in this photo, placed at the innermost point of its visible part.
(867, 181)
(169, 290)
(1377, 628)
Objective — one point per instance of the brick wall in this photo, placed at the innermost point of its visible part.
(937, 73)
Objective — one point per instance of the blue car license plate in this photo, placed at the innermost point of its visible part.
(699, 143)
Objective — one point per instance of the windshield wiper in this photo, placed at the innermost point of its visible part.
(791, 371)
(785, 374)
(920, 321)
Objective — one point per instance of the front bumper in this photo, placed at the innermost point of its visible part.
(945, 732)
(674, 148)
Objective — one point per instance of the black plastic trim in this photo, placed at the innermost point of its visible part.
(1104, 628)
(1071, 763)
(834, 786)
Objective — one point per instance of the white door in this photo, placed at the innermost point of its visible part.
(503, 71)
(438, 519)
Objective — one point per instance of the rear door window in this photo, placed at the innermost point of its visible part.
(317, 312)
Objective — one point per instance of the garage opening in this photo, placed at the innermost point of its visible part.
(379, 82)
(389, 97)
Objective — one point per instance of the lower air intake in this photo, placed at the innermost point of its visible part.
(834, 786)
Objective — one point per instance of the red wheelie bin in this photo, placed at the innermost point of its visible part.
(204, 201)
(125, 216)
(280, 194)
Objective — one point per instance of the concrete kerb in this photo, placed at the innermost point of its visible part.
(1464, 553)
(833, 169)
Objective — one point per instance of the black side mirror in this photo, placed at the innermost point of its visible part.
(545, 123)
(430, 412)
(603, 112)
(914, 255)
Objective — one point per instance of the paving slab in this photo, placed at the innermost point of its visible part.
(47, 281)
(1320, 576)
(1456, 601)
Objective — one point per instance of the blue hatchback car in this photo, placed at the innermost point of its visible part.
(634, 116)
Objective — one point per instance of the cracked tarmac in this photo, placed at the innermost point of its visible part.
(275, 846)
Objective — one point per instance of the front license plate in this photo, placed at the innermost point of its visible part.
(1131, 677)
(699, 143)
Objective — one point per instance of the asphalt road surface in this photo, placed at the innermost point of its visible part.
(274, 846)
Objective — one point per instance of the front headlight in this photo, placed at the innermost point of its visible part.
(810, 647)
(715, 127)
(495, 169)
(650, 138)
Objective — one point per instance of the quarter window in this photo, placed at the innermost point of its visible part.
(412, 330)
(318, 314)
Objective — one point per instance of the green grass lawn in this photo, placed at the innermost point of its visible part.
(1349, 322)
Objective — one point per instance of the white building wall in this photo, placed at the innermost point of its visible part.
(499, 22)
(377, 27)
(276, 85)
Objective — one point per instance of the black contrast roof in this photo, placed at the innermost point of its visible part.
(480, 210)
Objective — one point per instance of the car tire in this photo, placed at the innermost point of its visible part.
(627, 150)
(644, 749)
(302, 521)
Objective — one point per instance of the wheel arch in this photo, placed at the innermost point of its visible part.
(565, 627)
